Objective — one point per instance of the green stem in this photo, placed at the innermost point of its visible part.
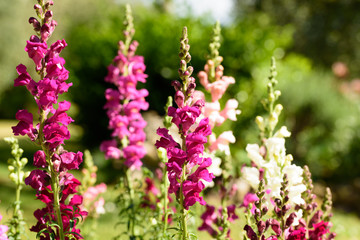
(55, 187)
(131, 227)
(183, 210)
(185, 234)
(165, 200)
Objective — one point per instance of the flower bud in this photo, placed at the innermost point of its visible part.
(264, 210)
(23, 161)
(177, 85)
(271, 97)
(13, 177)
(11, 168)
(278, 109)
(261, 225)
(285, 208)
(250, 233)
(48, 15)
(190, 69)
(260, 122)
(35, 23)
(182, 64)
(277, 94)
(49, 3)
(278, 202)
(275, 225)
(56, 164)
(273, 120)
(179, 99)
(188, 58)
(290, 219)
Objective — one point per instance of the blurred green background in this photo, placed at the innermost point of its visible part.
(316, 44)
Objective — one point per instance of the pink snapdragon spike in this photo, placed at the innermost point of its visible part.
(215, 85)
(53, 183)
(124, 104)
(186, 167)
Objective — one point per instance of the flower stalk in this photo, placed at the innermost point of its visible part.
(51, 179)
(186, 165)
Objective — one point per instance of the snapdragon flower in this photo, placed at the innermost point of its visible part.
(125, 102)
(52, 181)
(283, 190)
(186, 167)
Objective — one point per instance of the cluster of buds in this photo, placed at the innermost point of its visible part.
(46, 26)
(125, 102)
(17, 163)
(17, 175)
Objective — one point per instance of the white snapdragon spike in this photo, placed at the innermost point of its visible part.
(276, 164)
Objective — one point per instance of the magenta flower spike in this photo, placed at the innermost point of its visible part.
(186, 167)
(53, 183)
(125, 102)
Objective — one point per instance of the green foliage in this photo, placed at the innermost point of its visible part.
(135, 219)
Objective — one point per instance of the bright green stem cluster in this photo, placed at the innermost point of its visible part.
(164, 160)
(214, 57)
(17, 175)
(267, 126)
(89, 172)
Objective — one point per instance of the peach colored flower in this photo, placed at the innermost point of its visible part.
(230, 111)
(222, 142)
(218, 88)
